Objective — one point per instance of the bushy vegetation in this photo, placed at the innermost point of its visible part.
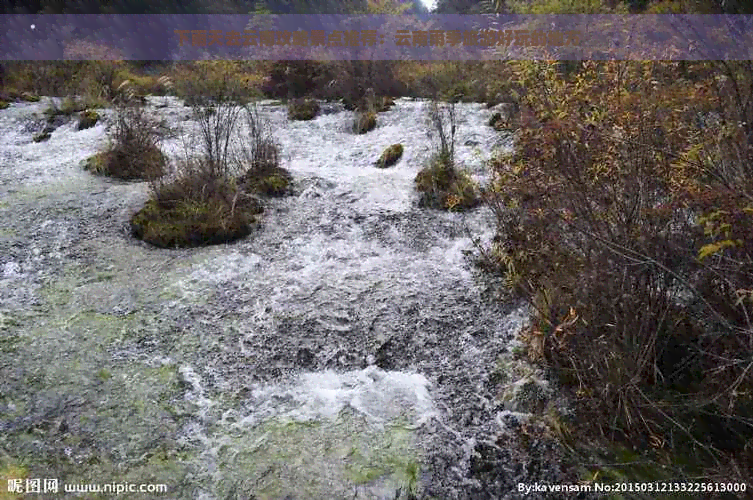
(133, 152)
(625, 217)
(206, 201)
(364, 121)
(304, 108)
(440, 183)
(260, 160)
(390, 156)
(87, 119)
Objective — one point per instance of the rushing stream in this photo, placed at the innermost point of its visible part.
(346, 350)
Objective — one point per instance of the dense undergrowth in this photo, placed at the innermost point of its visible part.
(626, 216)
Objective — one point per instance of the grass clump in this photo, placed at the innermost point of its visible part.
(443, 187)
(364, 122)
(440, 183)
(133, 153)
(87, 119)
(260, 158)
(304, 108)
(390, 156)
(196, 210)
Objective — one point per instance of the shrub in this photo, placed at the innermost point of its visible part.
(364, 122)
(390, 156)
(260, 158)
(203, 203)
(87, 119)
(443, 187)
(133, 153)
(619, 219)
(293, 79)
(201, 81)
(303, 109)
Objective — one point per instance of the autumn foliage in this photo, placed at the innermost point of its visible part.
(626, 216)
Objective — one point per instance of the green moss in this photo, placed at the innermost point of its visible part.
(104, 374)
(4, 105)
(87, 119)
(268, 181)
(442, 186)
(190, 223)
(364, 122)
(29, 97)
(390, 156)
(303, 109)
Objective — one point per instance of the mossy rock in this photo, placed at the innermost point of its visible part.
(4, 105)
(390, 156)
(116, 162)
(443, 187)
(267, 181)
(45, 134)
(303, 109)
(87, 119)
(364, 122)
(193, 223)
(26, 96)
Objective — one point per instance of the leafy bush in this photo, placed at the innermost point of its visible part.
(390, 156)
(628, 227)
(303, 109)
(202, 81)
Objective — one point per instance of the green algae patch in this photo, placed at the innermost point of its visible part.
(11, 471)
(320, 460)
(189, 223)
(390, 156)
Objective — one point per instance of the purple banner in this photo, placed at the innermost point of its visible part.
(428, 37)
